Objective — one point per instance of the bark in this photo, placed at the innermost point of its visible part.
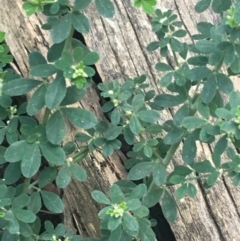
(121, 42)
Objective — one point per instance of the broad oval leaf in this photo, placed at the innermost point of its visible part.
(105, 8)
(80, 22)
(56, 92)
(52, 201)
(169, 207)
(56, 128)
(141, 170)
(80, 117)
(20, 86)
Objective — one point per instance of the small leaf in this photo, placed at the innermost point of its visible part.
(31, 161)
(141, 170)
(80, 117)
(56, 128)
(189, 149)
(163, 67)
(52, 201)
(135, 125)
(169, 207)
(20, 86)
(61, 28)
(64, 177)
(209, 89)
(100, 197)
(105, 8)
(25, 216)
(56, 92)
(37, 101)
(53, 154)
(43, 70)
(130, 224)
(80, 22)
(150, 116)
(79, 172)
(193, 122)
(203, 167)
(152, 197)
(202, 5)
(205, 46)
(90, 58)
(159, 175)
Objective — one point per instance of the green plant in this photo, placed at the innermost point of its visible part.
(195, 84)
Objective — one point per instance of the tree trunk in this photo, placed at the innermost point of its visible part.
(121, 42)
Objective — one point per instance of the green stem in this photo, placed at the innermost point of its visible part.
(175, 58)
(26, 185)
(170, 154)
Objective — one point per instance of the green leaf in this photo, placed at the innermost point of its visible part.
(2, 36)
(80, 117)
(113, 132)
(21, 201)
(20, 86)
(81, 4)
(116, 194)
(202, 5)
(159, 175)
(163, 67)
(176, 45)
(154, 129)
(36, 58)
(79, 172)
(169, 207)
(52, 202)
(234, 99)
(55, 52)
(43, 70)
(189, 149)
(166, 80)
(105, 8)
(224, 113)
(181, 192)
(224, 83)
(25, 216)
(141, 212)
(37, 101)
(180, 115)
(115, 117)
(133, 204)
(90, 58)
(198, 73)
(177, 179)
(53, 154)
(56, 128)
(137, 102)
(152, 197)
(56, 92)
(135, 125)
(174, 136)
(9, 170)
(141, 170)
(209, 89)
(193, 122)
(113, 223)
(100, 197)
(35, 203)
(153, 46)
(150, 116)
(180, 33)
(31, 161)
(198, 60)
(16, 151)
(73, 95)
(203, 110)
(12, 125)
(130, 224)
(61, 28)
(64, 177)
(168, 101)
(212, 178)
(206, 46)
(203, 167)
(47, 176)
(80, 22)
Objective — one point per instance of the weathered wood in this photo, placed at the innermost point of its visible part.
(121, 42)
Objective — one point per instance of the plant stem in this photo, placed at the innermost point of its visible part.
(170, 154)
(175, 58)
